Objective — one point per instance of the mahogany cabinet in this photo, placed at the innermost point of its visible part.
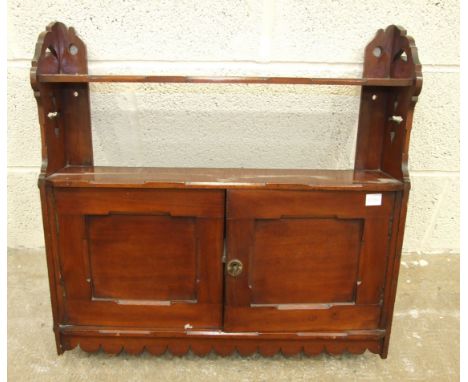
(220, 259)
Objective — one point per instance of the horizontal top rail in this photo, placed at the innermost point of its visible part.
(85, 78)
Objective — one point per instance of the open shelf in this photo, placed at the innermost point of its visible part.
(222, 178)
(86, 78)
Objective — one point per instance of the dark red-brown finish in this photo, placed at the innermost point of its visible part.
(84, 78)
(224, 260)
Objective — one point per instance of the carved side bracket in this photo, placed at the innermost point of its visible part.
(64, 111)
(391, 54)
(385, 117)
(58, 50)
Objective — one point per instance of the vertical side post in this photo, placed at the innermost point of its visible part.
(387, 111)
(397, 130)
(64, 109)
(385, 121)
(64, 118)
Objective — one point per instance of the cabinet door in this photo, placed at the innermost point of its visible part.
(141, 257)
(305, 260)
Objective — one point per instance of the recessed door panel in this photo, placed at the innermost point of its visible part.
(141, 257)
(305, 260)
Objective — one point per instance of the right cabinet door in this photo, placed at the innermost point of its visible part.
(306, 260)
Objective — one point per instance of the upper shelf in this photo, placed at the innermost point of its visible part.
(390, 83)
(86, 78)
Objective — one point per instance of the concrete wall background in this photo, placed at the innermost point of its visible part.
(233, 126)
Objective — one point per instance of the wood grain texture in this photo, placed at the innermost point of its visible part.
(51, 257)
(143, 258)
(178, 202)
(384, 130)
(76, 119)
(66, 136)
(335, 317)
(135, 341)
(222, 178)
(383, 141)
(85, 78)
(135, 255)
(337, 247)
(224, 348)
(295, 262)
(277, 204)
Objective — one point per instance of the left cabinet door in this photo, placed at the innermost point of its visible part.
(139, 257)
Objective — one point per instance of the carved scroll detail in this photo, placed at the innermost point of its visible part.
(391, 54)
(386, 116)
(58, 50)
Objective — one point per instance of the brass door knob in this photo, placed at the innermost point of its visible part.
(234, 267)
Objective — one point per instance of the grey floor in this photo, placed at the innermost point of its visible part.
(424, 345)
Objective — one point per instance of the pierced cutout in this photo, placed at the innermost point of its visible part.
(50, 51)
(377, 52)
(396, 118)
(392, 136)
(374, 97)
(401, 55)
(395, 105)
(404, 57)
(75, 94)
(52, 114)
(73, 49)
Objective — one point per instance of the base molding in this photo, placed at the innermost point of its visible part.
(201, 343)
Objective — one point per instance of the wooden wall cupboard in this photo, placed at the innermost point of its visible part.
(224, 259)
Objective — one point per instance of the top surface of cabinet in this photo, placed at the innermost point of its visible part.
(149, 177)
